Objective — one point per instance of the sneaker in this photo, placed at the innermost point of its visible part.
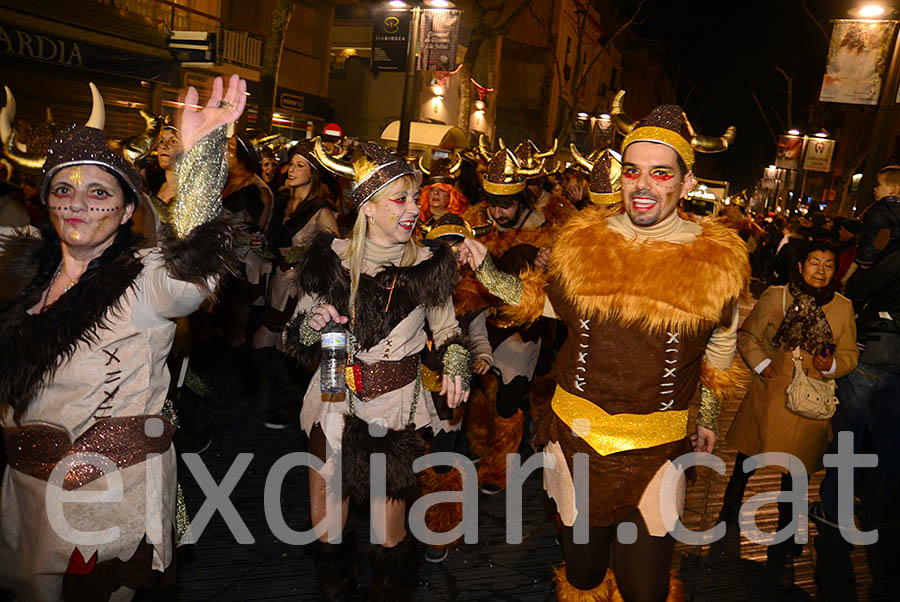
(818, 516)
(436, 556)
(488, 489)
(279, 419)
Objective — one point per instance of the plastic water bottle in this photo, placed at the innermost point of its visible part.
(334, 362)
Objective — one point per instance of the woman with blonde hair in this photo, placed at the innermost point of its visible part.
(385, 288)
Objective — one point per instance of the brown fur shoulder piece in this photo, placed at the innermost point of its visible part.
(208, 251)
(32, 347)
(21, 257)
(656, 284)
(383, 300)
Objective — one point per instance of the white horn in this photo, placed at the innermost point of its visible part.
(98, 110)
(7, 114)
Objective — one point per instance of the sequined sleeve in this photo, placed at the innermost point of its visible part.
(710, 405)
(202, 173)
(505, 286)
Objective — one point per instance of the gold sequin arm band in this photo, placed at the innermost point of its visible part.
(306, 334)
(710, 406)
(499, 283)
(202, 173)
(456, 363)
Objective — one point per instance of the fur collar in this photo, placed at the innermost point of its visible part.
(430, 283)
(33, 347)
(657, 284)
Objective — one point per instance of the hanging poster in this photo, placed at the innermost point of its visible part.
(438, 36)
(857, 59)
(788, 154)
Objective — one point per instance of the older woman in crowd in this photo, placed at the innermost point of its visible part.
(805, 314)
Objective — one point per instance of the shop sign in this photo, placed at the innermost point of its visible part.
(301, 102)
(818, 154)
(48, 48)
(390, 37)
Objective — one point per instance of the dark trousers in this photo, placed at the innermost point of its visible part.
(869, 401)
(641, 568)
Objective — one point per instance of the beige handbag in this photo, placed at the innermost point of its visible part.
(809, 397)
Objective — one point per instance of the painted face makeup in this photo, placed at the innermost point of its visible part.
(87, 205)
(651, 182)
(395, 213)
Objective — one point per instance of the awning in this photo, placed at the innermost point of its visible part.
(427, 134)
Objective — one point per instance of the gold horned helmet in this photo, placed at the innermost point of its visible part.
(534, 163)
(441, 171)
(503, 175)
(371, 168)
(132, 149)
(667, 124)
(605, 180)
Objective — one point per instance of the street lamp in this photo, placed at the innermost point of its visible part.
(871, 11)
(412, 51)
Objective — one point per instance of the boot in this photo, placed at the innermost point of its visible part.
(506, 435)
(441, 518)
(566, 592)
(395, 571)
(676, 589)
(335, 566)
(480, 411)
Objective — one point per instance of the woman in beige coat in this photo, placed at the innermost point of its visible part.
(809, 314)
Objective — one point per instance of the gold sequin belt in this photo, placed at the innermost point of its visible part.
(368, 381)
(36, 449)
(612, 433)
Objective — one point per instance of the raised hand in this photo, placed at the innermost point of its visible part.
(219, 110)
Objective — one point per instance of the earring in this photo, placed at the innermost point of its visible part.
(372, 218)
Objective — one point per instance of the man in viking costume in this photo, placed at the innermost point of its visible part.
(657, 316)
(86, 323)
(514, 236)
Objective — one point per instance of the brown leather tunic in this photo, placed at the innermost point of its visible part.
(622, 368)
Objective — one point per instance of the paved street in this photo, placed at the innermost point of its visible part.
(218, 568)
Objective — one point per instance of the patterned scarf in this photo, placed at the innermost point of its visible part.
(804, 324)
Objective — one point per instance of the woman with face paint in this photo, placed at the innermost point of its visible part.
(301, 210)
(385, 289)
(87, 324)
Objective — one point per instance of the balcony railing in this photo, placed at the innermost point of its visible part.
(236, 45)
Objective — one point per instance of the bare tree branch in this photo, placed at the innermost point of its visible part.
(790, 94)
(501, 29)
(815, 20)
(608, 42)
(764, 116)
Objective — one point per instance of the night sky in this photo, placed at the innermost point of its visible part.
(723, 48)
